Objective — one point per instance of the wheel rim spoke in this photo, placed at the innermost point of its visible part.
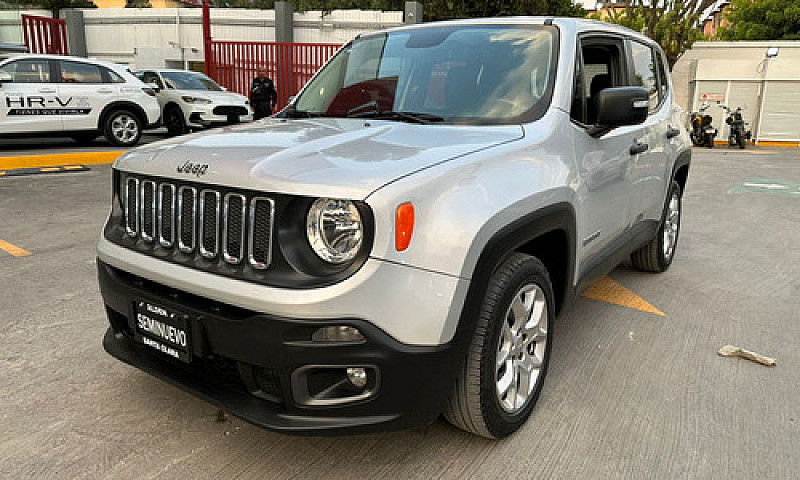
(521, 347)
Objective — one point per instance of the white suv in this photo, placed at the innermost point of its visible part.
(191, 100)
(74, 97)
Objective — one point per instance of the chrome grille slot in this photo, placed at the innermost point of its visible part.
(148, 210)
(187, 210)
(234, 218)
(132, 206)
(166, 217)
(260, 239)
(230, 230)
(209, 223)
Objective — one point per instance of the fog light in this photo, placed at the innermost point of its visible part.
(337, 333)
(357, 376)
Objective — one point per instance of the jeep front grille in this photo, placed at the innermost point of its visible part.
(210, 222)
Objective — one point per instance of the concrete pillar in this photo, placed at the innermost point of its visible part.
(413, 12)
(76, 32)
(284, 22)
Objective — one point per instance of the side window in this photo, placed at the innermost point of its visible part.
(75, 72)
(663, 77)
(151, 77)
(28, 71)
(644, 71)
(114, 76)
(599, 66)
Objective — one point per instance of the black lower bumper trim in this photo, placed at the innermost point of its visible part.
(414, 383)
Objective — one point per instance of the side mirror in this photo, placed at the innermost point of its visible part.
(154, 86)
(621, 106)
(6, 77)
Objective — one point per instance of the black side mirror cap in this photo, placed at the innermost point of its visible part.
(620, 106)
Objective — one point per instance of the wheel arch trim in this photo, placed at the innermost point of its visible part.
(122, 105)
(507, 240)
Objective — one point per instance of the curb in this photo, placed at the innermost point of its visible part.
(58, 160)
(15, 172)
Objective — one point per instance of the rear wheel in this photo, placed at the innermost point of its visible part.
(174, 121)
(741, 141)
(657, 255)
(123, 128)
(507, 360)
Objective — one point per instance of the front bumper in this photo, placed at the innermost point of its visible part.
(249, 363)
(205, 117)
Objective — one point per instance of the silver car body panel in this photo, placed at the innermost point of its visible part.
(466, 183)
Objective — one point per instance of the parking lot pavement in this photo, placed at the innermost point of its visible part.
(55, 145)
(630, 393)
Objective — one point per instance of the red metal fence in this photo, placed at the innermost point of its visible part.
(45, 35)
(234, 65)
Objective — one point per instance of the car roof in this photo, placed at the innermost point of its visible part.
(569, 24)
(46, 56)
(168, 70)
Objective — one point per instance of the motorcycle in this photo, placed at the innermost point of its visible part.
(738, 135)
(702, 132)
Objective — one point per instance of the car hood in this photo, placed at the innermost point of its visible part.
(343, 158)
(216, 97)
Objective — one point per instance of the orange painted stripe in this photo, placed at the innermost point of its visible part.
(59, 159)
(778, 144)
(13, 249)
(607, 290)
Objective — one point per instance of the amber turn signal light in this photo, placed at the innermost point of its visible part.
(404, 226)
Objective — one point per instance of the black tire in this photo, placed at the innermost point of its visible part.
(476, 404)
(84, 138)
(175, 121)
(741, 141)
(709, 141)
(122, 128)
(655, 256)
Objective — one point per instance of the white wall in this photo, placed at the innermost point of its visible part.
(141, 37)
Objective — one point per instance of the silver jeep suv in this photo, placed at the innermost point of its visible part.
(397, 244)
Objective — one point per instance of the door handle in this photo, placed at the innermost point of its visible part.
(104, 90)
(47, 90)
(638, 148)
(672, 132)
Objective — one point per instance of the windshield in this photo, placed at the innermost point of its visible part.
(465, 74)
(190, 81)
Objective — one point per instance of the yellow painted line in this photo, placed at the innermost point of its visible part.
(50, 169)
(58, 159)
(2, 173)
(13, 249)
(763, 143)
(73, 167)
(609, 291)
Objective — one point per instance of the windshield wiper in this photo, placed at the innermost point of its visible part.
(293, 112)
(362, 111)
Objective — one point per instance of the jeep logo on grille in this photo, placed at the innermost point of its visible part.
(193, 168)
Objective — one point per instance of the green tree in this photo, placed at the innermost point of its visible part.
(762, 20)
(447, 9)
(55, 6)
(671, 23)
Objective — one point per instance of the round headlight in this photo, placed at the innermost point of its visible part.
(335, 230)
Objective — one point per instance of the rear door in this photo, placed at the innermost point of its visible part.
(650, 168)
(84, 89)
(29, 101)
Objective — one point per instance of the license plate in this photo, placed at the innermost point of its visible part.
(163, 329)
(711, 130)
(233, 118)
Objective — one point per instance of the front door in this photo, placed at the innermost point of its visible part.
(605, 160)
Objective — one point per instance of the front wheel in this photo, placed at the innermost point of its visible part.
(175, 121)
(741, 141)
(123, 128)
(657, 255)
(507, 360)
